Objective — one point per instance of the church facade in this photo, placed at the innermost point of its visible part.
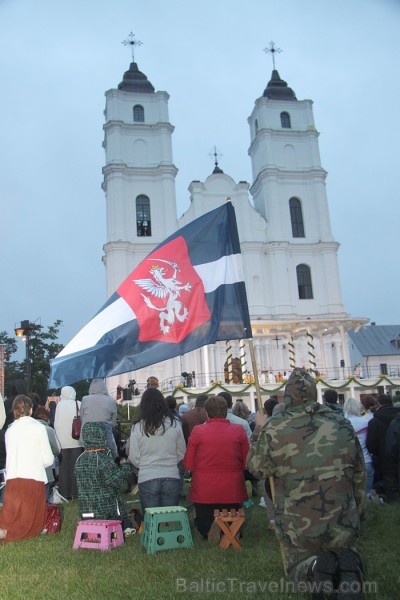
(289, 253)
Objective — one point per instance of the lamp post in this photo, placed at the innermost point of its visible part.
(24, 331)
(2, 361)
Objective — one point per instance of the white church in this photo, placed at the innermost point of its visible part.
(289, 253)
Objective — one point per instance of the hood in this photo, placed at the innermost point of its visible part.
(98, 386)
(387, 413)
(300, 389)
(68, 393)
(94, 435)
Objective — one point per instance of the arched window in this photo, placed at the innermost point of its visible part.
(296, 218)
(285, 120)
(256, 126)
(143, 217)
(304, 282)
(138, 113)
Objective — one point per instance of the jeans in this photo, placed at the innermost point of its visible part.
(159, 492)
(370, 476)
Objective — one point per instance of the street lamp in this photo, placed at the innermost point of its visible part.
(24, 331)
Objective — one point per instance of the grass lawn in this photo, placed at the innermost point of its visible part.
(46, 568)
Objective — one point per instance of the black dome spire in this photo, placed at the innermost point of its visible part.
(277, 89)
(135, 81)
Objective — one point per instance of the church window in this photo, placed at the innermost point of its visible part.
(285, 120)
(138, 113)
(296, 218)
(143, 217)
(304, 282)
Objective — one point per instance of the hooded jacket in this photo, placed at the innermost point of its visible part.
(99, 479)
(377, 428)
(65, 413)
(317, 462)
(98, 407)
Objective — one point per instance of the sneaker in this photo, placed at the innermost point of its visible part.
(214, 534)
(129, 531)
(322, 576)
(350, 576)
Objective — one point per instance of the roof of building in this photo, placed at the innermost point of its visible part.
(135, 81)
(277, 89)
(377, 340)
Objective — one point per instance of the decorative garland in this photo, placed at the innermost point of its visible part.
(180, 388)
(357, 381)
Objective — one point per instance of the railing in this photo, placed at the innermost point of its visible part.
(276, 376)
(201, 380)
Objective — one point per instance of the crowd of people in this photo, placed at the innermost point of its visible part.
(317, 465)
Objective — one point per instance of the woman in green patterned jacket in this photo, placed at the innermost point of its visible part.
(100, 480)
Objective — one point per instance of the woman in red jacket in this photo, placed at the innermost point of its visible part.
(216, 456)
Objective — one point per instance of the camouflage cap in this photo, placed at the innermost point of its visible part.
(300, 388)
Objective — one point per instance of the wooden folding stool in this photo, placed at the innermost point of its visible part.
(229, 522)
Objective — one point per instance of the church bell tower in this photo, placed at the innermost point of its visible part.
(139, 174)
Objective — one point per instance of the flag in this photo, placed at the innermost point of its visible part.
(186, 293)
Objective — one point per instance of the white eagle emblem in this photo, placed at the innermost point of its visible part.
(169, 288)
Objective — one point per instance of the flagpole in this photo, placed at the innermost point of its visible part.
(281, 546)
(255, 374)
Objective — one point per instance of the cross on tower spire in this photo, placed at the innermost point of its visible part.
(132, 43)
(215, 153)
(272, 50)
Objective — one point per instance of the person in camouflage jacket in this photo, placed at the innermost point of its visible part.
(100, 480)
(317, 463)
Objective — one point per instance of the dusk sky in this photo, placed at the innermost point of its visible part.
(57, 59)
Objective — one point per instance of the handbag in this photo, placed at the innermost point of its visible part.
(53, 519)
(76, 424)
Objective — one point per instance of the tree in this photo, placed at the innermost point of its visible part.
(9, 343)
(12, 369)
(43, 347)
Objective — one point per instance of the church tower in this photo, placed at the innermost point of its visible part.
(289, 192)
(304, 308)
(139, 174)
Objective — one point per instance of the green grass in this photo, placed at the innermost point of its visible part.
(46, 568)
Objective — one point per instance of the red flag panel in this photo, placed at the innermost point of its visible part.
(166, 294)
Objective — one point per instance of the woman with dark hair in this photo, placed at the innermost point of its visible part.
(28, 454)
(216, 456)
(156, 447)
(369, 404)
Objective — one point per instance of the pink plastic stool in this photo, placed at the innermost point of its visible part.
(99, 535)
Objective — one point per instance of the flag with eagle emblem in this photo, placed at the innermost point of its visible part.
(187, 293)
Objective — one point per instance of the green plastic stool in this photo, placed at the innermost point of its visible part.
(165, 528)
